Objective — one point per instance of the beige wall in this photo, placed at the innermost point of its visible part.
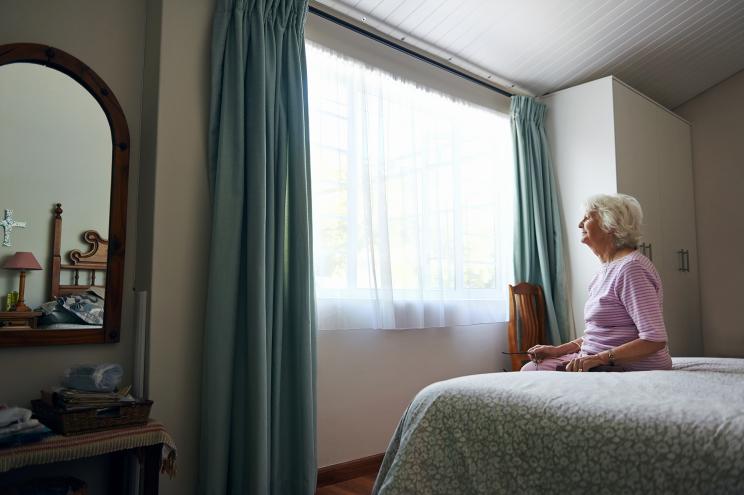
(180, 222)
(355, 46)
(367, 378)
(107, 35)
(169, 98)
(718, 164)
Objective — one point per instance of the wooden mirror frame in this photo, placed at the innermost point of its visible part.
(88, 79)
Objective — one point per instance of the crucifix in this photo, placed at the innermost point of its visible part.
(7, 224)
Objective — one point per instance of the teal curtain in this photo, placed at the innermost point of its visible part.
(259, 357)
(538, 232)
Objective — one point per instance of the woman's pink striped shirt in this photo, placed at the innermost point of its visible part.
(626, 303)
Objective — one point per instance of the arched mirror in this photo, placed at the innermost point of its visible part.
(64, 157)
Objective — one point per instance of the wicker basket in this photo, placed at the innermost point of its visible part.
(88, 420)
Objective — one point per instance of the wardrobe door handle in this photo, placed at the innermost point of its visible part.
(687, 260)
(681, 260)
(650, 251)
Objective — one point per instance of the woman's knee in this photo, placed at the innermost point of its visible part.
(531, 366)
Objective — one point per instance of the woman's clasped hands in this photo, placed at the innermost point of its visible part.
(538, 353)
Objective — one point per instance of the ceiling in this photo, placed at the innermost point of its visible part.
(671, 50)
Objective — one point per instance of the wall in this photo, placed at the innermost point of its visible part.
(718, 164)
(366, 378)
(107, 35)
(392, 61)
(176, 212)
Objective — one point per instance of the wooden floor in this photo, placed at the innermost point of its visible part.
(356, 486)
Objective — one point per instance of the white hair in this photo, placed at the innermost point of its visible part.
(619, 214)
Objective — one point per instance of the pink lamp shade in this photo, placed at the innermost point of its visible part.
(22, 260)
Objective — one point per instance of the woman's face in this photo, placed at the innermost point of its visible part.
(591, 233)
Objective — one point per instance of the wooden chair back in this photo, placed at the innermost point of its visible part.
(526, 320)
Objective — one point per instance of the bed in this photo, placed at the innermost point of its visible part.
(678, 431)
(77, 287)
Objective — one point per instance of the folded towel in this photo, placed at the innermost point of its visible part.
(34, 434)
(18, 428)
(10, 415)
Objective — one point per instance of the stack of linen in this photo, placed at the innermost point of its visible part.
(71, 399)
(17, 427)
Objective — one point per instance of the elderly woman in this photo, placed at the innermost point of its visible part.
(623, 314)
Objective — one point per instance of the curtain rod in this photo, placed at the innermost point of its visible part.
(401, 48)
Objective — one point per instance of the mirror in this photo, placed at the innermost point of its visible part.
(64, 156)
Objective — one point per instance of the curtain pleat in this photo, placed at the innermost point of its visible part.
(259, 357)
(538, 231)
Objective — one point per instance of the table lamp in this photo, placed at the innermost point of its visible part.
(22, 261)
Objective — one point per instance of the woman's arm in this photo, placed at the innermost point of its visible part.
(570, 347)
(633, 351)
(630, 351)
(540, 352)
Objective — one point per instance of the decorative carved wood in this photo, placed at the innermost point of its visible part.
(96, 256)
(94, 259)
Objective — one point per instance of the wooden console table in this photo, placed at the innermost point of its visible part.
(151, 441)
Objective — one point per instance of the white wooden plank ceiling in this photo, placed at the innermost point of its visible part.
(670, 50)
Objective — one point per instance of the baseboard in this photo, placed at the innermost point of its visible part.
(337, 473)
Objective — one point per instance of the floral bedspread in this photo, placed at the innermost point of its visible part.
(679, 431)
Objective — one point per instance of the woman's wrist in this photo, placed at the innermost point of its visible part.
(604, 358)
(611, 357)
(564, 349)
(569, 347)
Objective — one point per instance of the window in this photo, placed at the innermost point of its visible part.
(412, 201)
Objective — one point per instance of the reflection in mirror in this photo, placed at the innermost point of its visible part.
(55, 147)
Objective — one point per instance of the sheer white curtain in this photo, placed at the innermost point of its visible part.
(412, 201)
